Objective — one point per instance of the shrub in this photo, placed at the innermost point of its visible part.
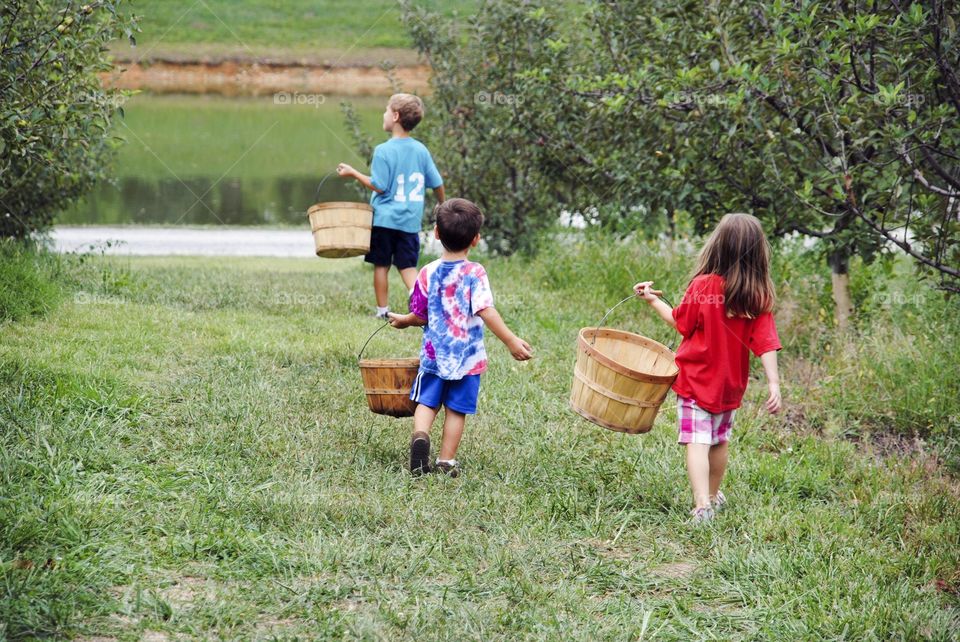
(55, 117)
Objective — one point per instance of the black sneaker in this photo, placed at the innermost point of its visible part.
(420, 453)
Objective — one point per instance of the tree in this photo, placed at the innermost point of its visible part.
(836, 120)
(55, 117)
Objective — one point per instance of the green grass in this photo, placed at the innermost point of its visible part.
(341, 30)
(187, 451)
(29, 281)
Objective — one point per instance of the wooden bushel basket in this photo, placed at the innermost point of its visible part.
(620, 379)
(341, 229)
(387, 382)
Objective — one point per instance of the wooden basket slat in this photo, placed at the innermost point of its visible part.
(341, 229)
(387, 384)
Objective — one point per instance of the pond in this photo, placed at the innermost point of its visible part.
(205, 160)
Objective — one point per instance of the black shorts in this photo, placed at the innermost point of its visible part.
(393, 247)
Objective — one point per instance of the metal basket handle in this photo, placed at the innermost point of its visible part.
(360, 354)
(593, 339)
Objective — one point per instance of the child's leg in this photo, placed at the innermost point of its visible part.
(380, 274)
(698, 470)
(718, 466)
(409, 276)
(453, 423)
(423, 418)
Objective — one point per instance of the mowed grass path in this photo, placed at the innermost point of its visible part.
(186, 451)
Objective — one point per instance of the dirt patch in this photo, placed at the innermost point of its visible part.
(675, 570)
(302, 83)
(186, 591)
(609, 550)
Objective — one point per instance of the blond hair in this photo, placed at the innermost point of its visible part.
(738, 251)
(410, 109)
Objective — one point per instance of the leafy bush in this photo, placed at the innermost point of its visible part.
(838, 121)
(55, 117)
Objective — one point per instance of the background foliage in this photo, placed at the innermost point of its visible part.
(834, 120)
(55, 118)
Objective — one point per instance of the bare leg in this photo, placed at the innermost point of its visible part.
(409, 276)
(453, 423)
(380, 274)
(423, 418)
(698, 470)
(718, 466)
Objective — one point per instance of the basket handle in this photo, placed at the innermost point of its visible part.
(323, 180)
(593, 339)
(360, 355)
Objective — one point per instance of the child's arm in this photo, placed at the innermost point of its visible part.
(652, 297)
(347, 171)
(769, 361)
(440, 194)
(519, 348)
(401, 321)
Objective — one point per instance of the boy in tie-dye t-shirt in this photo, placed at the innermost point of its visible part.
(453, 301)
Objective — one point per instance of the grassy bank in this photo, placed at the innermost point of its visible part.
(187, 450)
(358, 32)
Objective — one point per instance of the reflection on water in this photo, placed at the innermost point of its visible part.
(206, 201)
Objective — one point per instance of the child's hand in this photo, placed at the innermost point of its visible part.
(520, 349)
(645, 291)
(398, 321)
(345, 170)
(774, 402)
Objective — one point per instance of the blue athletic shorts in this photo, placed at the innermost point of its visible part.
(393, 247)
(459, 395)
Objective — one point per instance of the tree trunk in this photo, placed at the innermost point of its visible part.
(840, 276)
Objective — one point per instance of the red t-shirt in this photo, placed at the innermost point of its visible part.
(714, 355)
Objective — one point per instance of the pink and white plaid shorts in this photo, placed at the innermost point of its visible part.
(698, 426)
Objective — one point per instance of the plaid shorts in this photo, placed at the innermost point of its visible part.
(698, 426)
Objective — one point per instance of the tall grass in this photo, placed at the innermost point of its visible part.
(28, 281)
(187, 452)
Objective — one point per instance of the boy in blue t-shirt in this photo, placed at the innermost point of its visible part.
(401, 171)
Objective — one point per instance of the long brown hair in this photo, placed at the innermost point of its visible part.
(738, 251)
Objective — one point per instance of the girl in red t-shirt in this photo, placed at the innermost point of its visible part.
(724, 315)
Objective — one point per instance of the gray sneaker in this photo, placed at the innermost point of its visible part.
(719, 502)
(702, 515)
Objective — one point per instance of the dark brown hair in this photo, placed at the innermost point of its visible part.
(409, 107)
(458, 223)
(738, 251)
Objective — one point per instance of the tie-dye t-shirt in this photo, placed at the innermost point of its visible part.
(449, 294)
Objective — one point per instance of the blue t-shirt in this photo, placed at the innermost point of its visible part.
(403, 169)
